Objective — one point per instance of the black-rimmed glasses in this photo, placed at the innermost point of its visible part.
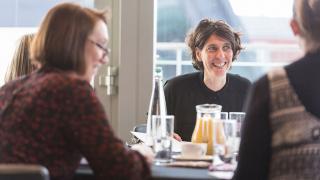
(104, 49)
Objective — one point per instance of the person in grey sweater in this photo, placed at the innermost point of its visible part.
(281, 132)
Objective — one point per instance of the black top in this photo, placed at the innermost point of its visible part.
(255, 148)
(184, 92)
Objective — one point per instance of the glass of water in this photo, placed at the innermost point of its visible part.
(239, 118)
(162, 134)
(225, 141)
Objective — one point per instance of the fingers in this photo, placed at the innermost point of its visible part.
(177, 137)
(145, 150)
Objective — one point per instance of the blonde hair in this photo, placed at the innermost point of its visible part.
(21, 63)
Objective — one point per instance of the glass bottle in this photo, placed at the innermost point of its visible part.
(203, 131)
(157, 105)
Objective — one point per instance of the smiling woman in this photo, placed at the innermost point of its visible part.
(214, 46)
(96, 56)
(53, 117)
(253, 18)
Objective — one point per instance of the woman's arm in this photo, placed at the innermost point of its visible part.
(90, 132)
(255, 147)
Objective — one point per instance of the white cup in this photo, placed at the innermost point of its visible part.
(193, 150)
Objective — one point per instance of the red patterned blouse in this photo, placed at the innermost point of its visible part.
(52, 119)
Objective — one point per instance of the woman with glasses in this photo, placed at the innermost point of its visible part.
(281, 133)
(214, 46)
(53, 117)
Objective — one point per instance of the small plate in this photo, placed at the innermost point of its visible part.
(193, 164)
(184, 158)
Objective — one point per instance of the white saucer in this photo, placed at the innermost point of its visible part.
(221, 174)
(190, 158)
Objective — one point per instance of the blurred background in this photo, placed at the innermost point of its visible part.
(150, 33)
(264, 26)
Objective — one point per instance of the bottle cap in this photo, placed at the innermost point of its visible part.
(158, 71)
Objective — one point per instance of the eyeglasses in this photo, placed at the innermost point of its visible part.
(105, 50)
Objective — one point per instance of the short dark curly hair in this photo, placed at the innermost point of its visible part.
(198, 37)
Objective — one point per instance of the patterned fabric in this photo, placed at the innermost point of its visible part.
(53, 119)
(295, 133)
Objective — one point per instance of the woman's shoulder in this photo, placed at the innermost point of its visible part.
(60, 81)
(182, 84)
(239, 80)
(184, 79)
(69, 90)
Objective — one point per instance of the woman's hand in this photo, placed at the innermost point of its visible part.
(177, 137)
(145, 150)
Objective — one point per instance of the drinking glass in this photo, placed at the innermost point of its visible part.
(239, 118)
(225, 140)
(162, 134)
(224, 115)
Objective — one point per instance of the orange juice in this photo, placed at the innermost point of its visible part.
(203, 133)
(198, 132)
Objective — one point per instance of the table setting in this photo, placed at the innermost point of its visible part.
(214, 144)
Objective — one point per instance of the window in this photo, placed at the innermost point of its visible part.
(19, 17)
(265, 30)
